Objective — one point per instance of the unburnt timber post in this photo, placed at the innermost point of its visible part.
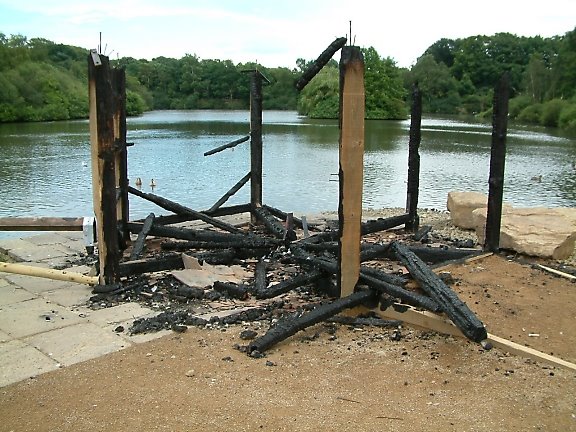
(414, 160)
(102, 140)
(255, 141)
(497, 161)
(351, 167)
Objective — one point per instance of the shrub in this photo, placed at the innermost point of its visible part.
(551, 112)
(567, 118)
(531, 114)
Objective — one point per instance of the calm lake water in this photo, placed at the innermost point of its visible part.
(45, 167)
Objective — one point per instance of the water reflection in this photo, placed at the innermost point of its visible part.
(45, 167)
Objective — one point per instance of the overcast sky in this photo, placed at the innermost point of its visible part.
(276, 32)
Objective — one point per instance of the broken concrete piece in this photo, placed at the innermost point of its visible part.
(542, 232)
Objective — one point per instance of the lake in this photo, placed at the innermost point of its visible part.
(45, 167)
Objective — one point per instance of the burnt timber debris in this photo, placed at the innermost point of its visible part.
(325, 267)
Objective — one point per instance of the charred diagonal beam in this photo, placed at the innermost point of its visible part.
(270, 222)
(455, 308)
(222, 211)
(283, 216)
(364, 321)
(231, 192)
(289, 284)
(180, 209)
(291, 325)
(380, 224)
(170, 262)
(140, 241)
(380, 281)
(320, 62)
(227, 146)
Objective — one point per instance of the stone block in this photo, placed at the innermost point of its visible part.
(462, 204)
(541, 232)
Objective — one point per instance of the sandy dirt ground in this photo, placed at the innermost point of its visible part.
(331, 377)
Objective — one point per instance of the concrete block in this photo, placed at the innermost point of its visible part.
(19, 361)
(77, 343)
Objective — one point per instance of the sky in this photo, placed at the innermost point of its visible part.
(276, 33)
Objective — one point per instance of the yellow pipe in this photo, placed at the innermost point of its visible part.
(62, 275)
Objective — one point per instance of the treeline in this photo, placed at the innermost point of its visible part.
(43, 80)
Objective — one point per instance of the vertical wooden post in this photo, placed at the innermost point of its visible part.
(121, 154)
(414, 160)
(351, 167)
(255, 141)
(497, 160)
(103, 171)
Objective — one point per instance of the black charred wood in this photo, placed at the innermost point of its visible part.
(260, 279)
(421, 232)
(270, 222)
(231, 192)
(223, 257)
(170, 262)
(320, 62)
(449, 302)
(187, 233)
(364, 321)
(140, 241)
(222, 211)
(291, 325)
(227, 146)
(246, 243)
(190, 292)
(383, 224)
(232, 290)
(289, 284)
(180, 209)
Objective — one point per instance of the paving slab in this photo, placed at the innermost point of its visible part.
(4, 337)
(19, 361)
(116, 314)
(36, 284)
(35, 316)
(13, 294)
(77, 343)
(48, 238)
(70, 295)
(30, 252)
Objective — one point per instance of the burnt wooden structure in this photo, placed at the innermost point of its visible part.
(414, 160)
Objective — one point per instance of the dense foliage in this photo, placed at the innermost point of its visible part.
(43, 80)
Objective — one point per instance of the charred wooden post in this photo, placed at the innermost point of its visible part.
(102, 143)
(231, 192)
(255, 141)
(319, 63)
(351, 157)
(289, 326)
(247, 243)
(222, 211)
(232, 290)
(227, 146)
(140, 241)
(187, 233)
(269, 221)
(180, 209)
(168, 262)
(121, 154)
(497, 161)
(283, 215)
(414, 160)
(260, 280)
(455, 308)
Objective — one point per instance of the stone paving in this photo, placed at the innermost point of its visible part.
(46, 324)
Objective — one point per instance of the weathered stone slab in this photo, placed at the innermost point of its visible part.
(10, 294)
(19, 361)
(542, 232)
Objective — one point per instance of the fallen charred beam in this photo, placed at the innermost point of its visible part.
(421, 232)
(248, 243)
(320, 62)
(289, 326)
(180, 209)
(170, 262)
(270, 222)
(231, 192)
(455, 308)
(364, 321)
(425, 253)
(227, 146)
(222, 211)
(283, 216)
(289, 284)
(232, 290)
(383, 224)
(187, 233)
(140, 241)
(223, 257)
(376, 279)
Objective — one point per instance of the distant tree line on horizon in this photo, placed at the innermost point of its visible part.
(42, 80)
